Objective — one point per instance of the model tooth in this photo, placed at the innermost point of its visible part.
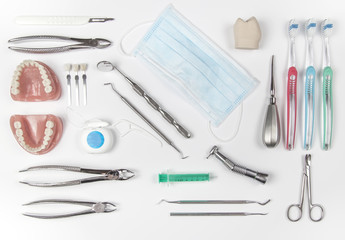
(46, 82)
(44, 75)
(26, 64)
(15, 84)
(19, 132)
(36, 64)
(45, 143)
(48, 132)
(14, 91)
(43, 147)
(46, 138)
(20, 138)
(48, 89)
(17, 124)
(49, 124)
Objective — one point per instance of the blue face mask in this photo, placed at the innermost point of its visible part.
(210, 78)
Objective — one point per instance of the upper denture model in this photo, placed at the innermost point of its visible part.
(34, 81)
(36, 134)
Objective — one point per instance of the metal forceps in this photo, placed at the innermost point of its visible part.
(82, 43)
(306, 183)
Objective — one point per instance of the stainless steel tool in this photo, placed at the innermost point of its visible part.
(215, 202)
(118, 174)
(148, 122)
(59, 20)
(271, 130)
(306, 184)
(82, 43)
(106, 66)
(94, 207)
(212, 214)
(261, 177)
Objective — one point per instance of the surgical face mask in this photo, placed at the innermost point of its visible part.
(205, 74)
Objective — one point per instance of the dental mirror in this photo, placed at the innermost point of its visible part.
(105, 66)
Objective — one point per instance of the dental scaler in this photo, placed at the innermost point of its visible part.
(291, 88)
(327, 79)
(309, 85)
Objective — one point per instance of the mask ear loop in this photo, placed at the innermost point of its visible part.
(235, 133)
(138, 128)
(129, 32)
(71, 111)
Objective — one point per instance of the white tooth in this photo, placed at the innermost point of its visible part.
(48, 89)
(45, 143)
(26, 64)
(36, 64)
(46, 82)
(50, 124)
(44, 75)
(46, 138)
(15, 84)
(48, 132)
(14, 91)
(43, 147)
(17, 124)
(32, 63)
(19, 132)
(20, 138)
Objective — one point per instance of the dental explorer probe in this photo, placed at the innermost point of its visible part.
(129, 104)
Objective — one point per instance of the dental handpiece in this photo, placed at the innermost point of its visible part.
(261, 177)
(131, 106)
(141, 92)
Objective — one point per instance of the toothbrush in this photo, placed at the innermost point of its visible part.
(291, 88)
(76, 78)
(327, 79)
(68, 68)
(310, 74)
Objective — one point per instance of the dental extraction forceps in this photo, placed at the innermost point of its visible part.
(306, 183)
(94, 207)
(83, 43)
(119, 174)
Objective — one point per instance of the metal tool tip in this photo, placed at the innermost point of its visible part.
(264, 203)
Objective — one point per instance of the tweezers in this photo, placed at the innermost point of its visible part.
(118, 174)
(83, 43)
(94, 207)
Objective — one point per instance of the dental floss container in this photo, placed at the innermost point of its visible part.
(97, 137)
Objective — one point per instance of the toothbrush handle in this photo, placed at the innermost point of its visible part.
(291, 108)
(327, 105)
(309, 105)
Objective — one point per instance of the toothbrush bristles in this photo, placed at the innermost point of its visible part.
(75, 67)
(68, 67)
(83, 67)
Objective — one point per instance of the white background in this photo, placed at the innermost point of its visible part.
(138, 215)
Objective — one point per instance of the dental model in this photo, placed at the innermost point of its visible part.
(34, 81)
(36, 134)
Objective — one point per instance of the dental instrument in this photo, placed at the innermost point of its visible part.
(83, 43)
(83, 68)
(216, 202)
(261, 177)
(212, 214)
(59, 20)
(93, 207)
(327, 82)
(309, 85)
(271, 130)
(306, 184)
(68, 68)
(148, 122)
(106, 66)
(118, 174)
(197, 177)
(291, 88)
(76, 78)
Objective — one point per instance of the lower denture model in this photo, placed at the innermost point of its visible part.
(36, 134)
(34, 81)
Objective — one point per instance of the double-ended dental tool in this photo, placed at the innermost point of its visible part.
(59, 20)
(291, 88)
(106, 66)
(327, 82)
(261, 177)
(271, 130)
(148, 122)
(309, 85)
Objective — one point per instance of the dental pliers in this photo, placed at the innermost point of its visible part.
(118, 174)
(83, 43)
(94, 207)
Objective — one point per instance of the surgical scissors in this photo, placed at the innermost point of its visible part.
(306, 183)
(82, 43)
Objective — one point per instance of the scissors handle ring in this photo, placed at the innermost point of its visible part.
(299, 210)
(316, 206)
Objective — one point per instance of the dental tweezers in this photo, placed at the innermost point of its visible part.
(94, 207)
(82, 43)
(118, 174)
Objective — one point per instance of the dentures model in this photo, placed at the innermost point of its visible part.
(37, 134)
(34, 81)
